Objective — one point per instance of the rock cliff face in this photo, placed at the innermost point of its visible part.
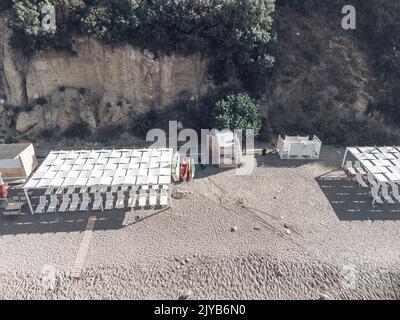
(124, 71)
(98, 85)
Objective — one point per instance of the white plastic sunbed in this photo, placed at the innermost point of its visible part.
(395, 191)
(152, 197)
(132, 198)
(98, 201)
(142, 197)
(85, 202)
(372, 181)
(71, 190)
(349, 168)
(65, 203)
(385, 194)
(53, 203)
(359, 169)
(120, 200)
(109, 200)
(375, 195)
(164, 197)
(75, 202)
(49, 191)
(361, 181)
(42, 204)
(83, 190)
(60, 190)
(114, 189)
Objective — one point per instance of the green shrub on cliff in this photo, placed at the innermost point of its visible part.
(237, 111)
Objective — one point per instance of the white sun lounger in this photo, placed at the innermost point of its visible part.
(103, 189)
(83, 190)
(109, 200)
(164, 197)
(60, 190)
(132, 199)
(361, 181)
(142, 198)
(49, 191)
(359, 169)
(395, 191)
(98, 201)
(114, 189)
(120, 200)
(42, 204)
(86, 197)
(372, 181)
(385, 194)
(152, 197)
(65, 203)
(349, 168)
(85, 202)
(71, 190)
(53, 203)
(75, 202)
(375, 195)
(94, 189)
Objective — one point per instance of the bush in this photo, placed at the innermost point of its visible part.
(48, 133)
(144, 122)
(27, 108)
(82, 91)
(10, 140)
(41, 101)
(105, 133)
(237, 111)
(77, 130)
(62, 88)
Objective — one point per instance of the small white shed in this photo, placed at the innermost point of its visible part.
(17, 161)
(297, 147)
(225, 148)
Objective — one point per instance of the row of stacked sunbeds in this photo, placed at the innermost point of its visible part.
(94, 200)
(380, 192)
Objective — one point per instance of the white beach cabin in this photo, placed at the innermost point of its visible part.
(299, 147)
(17, 161)
(225, 148)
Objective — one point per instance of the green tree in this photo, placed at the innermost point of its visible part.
(237, 111)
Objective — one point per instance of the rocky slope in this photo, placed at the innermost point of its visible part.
(98, 85)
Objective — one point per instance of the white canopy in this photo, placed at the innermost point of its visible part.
(382, 162)
(87, 168)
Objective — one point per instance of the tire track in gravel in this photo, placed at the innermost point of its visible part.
(230, 203)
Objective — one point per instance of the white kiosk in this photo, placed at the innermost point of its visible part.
(299, 147)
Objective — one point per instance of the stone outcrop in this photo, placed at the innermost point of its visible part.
(116, 82)
(120, 72)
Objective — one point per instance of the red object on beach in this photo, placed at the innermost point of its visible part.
(185, 170)
(3, 192)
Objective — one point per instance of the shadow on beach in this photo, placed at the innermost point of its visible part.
(352, 203)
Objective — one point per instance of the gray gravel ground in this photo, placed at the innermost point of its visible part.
(270, 235)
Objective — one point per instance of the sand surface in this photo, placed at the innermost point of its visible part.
(300, 233)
